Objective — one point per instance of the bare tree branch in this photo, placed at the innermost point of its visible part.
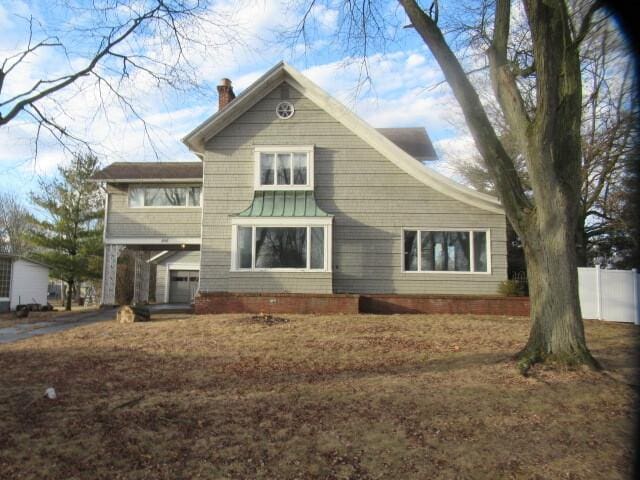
(117, 40)
(502, 79)
(63, 82)
(586, 22)
(507, 180)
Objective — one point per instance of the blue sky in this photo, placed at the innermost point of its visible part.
(406, 87)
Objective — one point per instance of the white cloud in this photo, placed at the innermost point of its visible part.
(4, 18)
(326, 18)
(406, 89)
(415, 60)
(457, 149)
(403, 91)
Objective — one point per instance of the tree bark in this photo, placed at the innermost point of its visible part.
(550, 142)
(69, 295)
(557, 331)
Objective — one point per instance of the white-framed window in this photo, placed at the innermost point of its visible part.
(284, 168)
(267, 244)
(446, 250)
(5, 277)
(165, 196)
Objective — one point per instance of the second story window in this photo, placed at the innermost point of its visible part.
(164, 196)
(284, 168)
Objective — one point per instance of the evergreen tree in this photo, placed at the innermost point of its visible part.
(69, 238)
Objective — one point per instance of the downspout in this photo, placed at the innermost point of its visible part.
(104, 241)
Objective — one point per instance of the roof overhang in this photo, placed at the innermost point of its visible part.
(283, 203)
(24, 259)
(161, 256)
(198, 137)
(147, 180)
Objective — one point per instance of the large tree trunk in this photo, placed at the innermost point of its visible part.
(549, 140)
(557, 332)
(553, 153)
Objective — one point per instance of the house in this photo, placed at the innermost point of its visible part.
(22, 281)
(294, 194)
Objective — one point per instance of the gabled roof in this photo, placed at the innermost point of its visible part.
(151, 172)
(197, 138)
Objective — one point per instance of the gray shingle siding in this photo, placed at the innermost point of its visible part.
(123, 221)
(371, 198)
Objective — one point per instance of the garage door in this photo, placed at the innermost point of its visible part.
(183, 285)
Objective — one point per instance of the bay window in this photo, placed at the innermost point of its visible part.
(284, 168)
(280, 247)
(164, 196)
(446, 251)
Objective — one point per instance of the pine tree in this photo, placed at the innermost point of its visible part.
(69, 237)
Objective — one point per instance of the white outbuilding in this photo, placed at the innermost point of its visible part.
(22, 281)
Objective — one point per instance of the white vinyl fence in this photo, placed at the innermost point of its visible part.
(610, 294)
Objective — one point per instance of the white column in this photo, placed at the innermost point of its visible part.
(109, 272)
(636, 294)
(141, 278)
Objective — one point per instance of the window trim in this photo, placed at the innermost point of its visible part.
(177, 185)
(275, 149)
(307, 223)
(9, 262)
(447, 272)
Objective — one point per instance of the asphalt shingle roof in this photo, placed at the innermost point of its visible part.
(150, 170)
(413, 140)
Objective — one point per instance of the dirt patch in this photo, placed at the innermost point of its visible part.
(353, 397)
(265, 319)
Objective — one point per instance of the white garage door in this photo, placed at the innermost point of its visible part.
(183, 285)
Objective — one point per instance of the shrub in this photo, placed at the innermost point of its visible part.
(511, 288)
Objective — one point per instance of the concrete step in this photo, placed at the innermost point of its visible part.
(163, 308)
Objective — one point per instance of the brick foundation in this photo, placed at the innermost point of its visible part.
(479, 305)
(226, 302)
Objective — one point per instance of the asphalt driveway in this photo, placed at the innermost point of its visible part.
(26, 330)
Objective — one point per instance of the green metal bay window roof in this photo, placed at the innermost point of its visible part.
(285, 203)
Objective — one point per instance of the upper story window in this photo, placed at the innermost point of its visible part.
(284, 168)
(165, 196)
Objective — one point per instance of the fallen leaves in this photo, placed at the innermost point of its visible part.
(402, 396)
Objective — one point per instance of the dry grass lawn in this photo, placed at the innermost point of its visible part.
(393, 397)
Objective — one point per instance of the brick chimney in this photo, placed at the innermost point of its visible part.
(225, 93)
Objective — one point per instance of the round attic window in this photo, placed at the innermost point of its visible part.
(284, 110)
